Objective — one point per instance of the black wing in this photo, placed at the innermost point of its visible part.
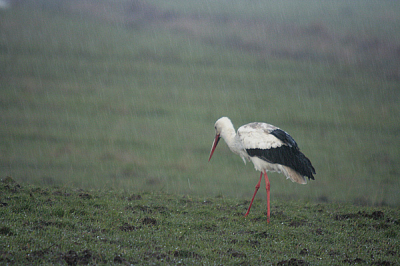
(286, 155)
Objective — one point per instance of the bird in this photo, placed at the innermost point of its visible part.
(269, 148)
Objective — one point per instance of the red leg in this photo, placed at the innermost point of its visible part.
(255, 192)
(267, 186)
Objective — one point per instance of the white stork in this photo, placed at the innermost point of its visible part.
(269, 148)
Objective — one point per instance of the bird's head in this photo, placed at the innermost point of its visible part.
(220, 125)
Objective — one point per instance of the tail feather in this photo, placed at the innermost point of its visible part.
(294, 176)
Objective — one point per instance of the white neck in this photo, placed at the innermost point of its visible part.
(228, 134)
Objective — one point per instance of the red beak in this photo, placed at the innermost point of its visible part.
(214, 145)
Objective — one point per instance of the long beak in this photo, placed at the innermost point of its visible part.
(214, 145)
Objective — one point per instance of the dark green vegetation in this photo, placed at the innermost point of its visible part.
(73, 226)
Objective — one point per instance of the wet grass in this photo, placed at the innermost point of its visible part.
(62, 225)
(93, 103)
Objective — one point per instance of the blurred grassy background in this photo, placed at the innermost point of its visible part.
(124, 94)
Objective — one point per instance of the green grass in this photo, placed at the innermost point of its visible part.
(63, 225)
(94, 103)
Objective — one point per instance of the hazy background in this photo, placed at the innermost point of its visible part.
(107, 94)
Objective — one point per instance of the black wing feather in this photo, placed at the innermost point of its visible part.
(286, 155)
(284, 137)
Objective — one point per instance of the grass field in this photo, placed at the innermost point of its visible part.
(108, 94)
(106, 122)
(64, 226)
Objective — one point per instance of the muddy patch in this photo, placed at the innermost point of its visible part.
(80, 258)
(134, 197)
(149, 221)
(292, 262)
(236, 254)
(376, 215)
(128, 228)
